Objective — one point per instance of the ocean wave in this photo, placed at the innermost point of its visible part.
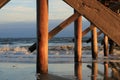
(14, 50)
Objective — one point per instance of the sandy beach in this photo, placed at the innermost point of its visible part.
(19, 64)
(87, 70)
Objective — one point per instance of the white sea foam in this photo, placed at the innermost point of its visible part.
(7, 49)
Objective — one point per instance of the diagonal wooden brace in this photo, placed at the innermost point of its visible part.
(3, 2)
(102, 17)
(57, 29)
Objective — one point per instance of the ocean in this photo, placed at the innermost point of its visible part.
(60, 48)
(16, 60)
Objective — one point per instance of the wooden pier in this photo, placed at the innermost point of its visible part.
(100, 13)
(42, 31)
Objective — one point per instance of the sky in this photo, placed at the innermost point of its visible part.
(18, 17)
(25, 10)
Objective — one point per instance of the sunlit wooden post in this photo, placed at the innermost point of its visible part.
(106, 45)
(42, 34)
(94, 43)
(78, 39)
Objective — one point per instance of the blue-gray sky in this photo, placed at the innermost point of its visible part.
(18, 17)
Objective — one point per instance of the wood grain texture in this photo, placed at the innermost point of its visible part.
(102, 17)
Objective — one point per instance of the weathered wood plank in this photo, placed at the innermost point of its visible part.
(103, 18)
(3, 2)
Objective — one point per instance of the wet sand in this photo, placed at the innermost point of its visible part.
(51, 77)
(94, 70)
(61, 67)
(25, 71)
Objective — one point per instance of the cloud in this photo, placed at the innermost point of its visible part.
(59, 9)
(17, 11)
(18, 14)
(25, 11)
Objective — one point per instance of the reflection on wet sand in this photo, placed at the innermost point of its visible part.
(94, 71)
(85, 71)
(115, 67)
(106, 70)
(111, 71)
(78, 70)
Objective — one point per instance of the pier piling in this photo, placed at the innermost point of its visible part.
(78, 39)
(94, 43)
(105, 46)
(42, 36)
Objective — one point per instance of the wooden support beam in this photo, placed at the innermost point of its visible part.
(87, 30)
(63, 25)
(78, 39)
(106, 49)
(94, 43)
(3, 2)
(42, 36)
(98, 34)
(57, 29)
(60, 27)
(101, 16)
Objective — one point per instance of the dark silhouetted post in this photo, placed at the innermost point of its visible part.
(42, 34)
